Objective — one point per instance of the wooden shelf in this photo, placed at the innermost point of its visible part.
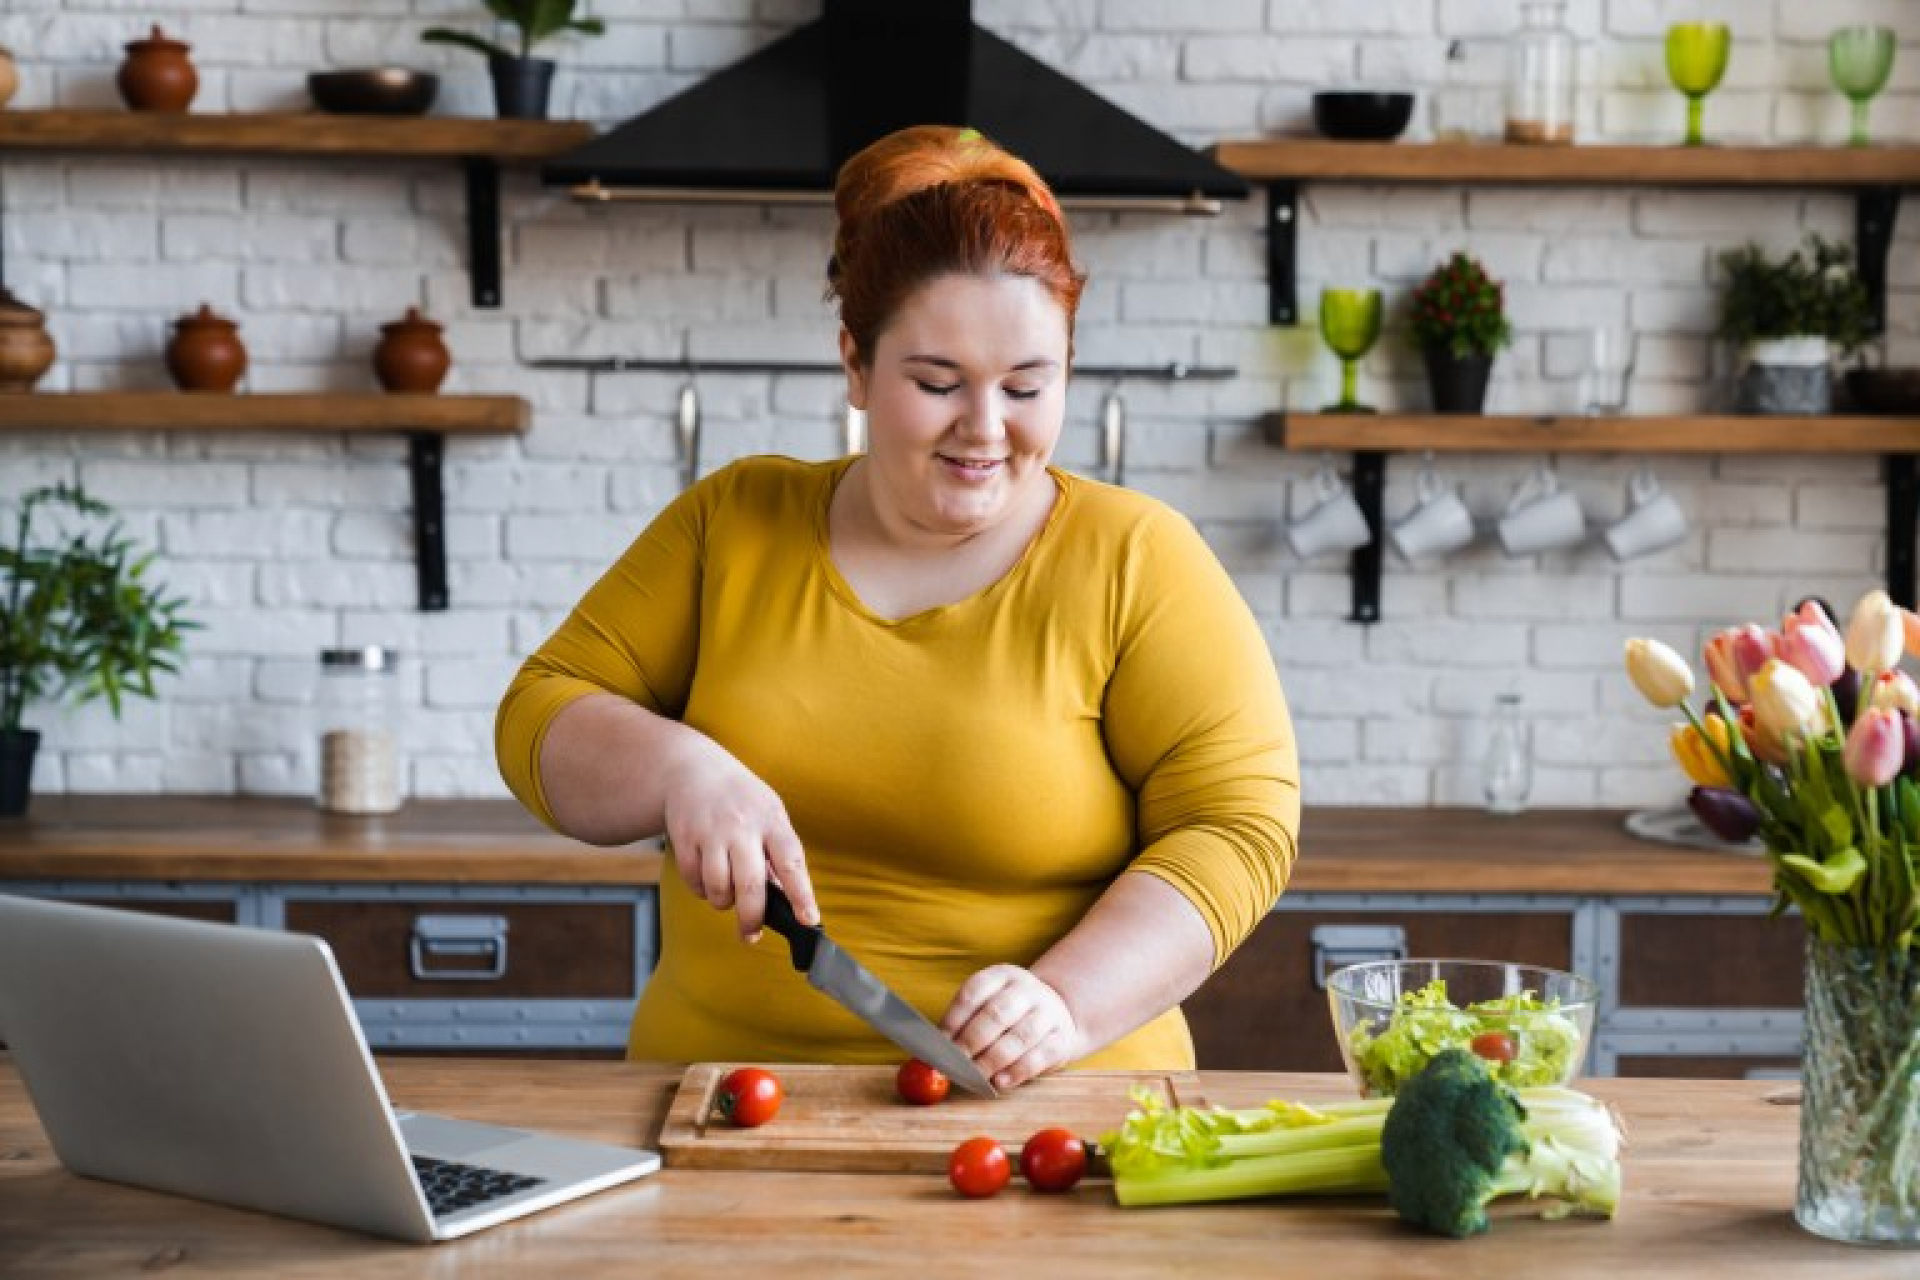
(1700, 433)
(1612, 165)
(372, 411)
(313, 134)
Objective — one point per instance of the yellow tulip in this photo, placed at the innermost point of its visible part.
(1698, 756)
(1875, 634)
(1660, 674)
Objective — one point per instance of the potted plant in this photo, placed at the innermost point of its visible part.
(1789, 317)
(78, 616)
(521, 82)
(1460, 321)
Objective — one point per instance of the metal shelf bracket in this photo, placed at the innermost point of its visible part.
(1370, 491)
(1903, 523)
(1283, 231)
(483, 229)
(425, 452)
(1875, 210)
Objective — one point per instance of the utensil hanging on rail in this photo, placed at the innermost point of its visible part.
(687, 420)
(1113, 436)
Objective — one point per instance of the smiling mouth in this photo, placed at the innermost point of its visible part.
(978, 465)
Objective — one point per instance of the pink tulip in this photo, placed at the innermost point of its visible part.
(1734, 655)
(1895, 691)
(1813, 645)
(1876, 747)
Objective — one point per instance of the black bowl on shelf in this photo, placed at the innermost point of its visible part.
(1362, 116)
(377, 91)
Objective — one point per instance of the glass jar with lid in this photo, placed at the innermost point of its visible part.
(1541, 75)
(357, 706)
(1506, 770)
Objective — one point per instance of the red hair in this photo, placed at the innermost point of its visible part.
(933, 200)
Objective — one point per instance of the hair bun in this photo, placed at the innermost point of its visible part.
(922, 156)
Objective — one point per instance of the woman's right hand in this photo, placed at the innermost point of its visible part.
(727, 829)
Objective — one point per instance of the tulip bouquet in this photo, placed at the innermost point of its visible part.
(1809, 740)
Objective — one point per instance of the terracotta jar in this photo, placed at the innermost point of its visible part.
(206, 353)
(158, 75)
(9, 77)
(26, 352)
(410, 355)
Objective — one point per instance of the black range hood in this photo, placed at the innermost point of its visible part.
(778, 124)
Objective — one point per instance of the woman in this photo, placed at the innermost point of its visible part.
(1011, 734)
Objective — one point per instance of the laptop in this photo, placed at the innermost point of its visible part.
(225, 1063)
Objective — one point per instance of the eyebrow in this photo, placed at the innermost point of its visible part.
(1040, 362)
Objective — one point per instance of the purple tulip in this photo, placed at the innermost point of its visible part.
(1725, 812)
(1910, 735)
(1846, 694)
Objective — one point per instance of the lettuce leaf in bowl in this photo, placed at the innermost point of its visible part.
(1546, 1042)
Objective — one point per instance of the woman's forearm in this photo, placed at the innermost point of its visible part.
(604, 764)
(1141, 950)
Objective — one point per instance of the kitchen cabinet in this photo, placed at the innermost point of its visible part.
(1876, 176)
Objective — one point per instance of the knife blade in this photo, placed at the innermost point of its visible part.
(831, 970)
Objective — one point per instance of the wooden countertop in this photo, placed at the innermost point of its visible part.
(1709, 1187)
(227, 838)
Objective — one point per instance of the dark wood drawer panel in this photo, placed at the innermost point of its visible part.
(1262, 1010)
(1702, 1067)
(1710, 962)
(219, 911)
(579, 950)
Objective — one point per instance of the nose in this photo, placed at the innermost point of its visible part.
(981, 418)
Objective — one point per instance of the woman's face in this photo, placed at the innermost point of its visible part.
(964, 399)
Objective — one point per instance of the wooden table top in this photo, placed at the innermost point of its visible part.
(486, 841)
(1709, 1177)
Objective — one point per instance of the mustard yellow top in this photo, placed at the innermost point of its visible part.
(966, 780)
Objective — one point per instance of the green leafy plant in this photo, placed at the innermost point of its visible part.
(1815, 293)
(77, 614)
(1461, 309)
(536, 21)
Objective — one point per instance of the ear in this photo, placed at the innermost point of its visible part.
(856, 372)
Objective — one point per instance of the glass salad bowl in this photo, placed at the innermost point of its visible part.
(1531, 1025)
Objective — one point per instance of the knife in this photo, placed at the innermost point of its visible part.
(831, 970)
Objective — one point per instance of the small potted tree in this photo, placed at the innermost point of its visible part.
(521, 82)
(1789, 317)
(77, 615)
(1460, 321)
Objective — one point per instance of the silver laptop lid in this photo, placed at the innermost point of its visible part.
(213, 1061)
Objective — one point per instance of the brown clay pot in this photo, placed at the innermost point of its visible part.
(9, 77)
(157, 74)
(26, 352)
(410, 355)
(206, 353)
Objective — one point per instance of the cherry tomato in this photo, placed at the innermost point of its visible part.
(1053, 1160)
(920, 1084)
(749, 1097)
(1494, 1046)
(978, 1167)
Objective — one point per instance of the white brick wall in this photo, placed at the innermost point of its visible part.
(286, 544)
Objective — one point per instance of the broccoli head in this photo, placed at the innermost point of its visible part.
(1456, 1139)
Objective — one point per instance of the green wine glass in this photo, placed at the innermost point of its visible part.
(1350, 323)
(1696, 60)
(1861, 59)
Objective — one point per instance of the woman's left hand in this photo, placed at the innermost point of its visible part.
(1013, 1025)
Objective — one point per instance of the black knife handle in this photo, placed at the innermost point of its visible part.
(803, 938)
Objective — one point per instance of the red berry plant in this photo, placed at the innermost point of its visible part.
(1461, 310)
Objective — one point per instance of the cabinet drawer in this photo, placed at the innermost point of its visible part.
(1264, 1011)
(1705, 1066)
(1709, 961)
(459, 950)
(216, 910)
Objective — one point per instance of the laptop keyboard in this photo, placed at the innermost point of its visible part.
(452, 1186)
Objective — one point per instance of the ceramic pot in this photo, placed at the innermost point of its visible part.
(411, 355)
(1458, 383)
(26, 352)
(9, 77)
(1787, 376)
(206, 353)
(157, 74)
(17, 749)
(521, 87)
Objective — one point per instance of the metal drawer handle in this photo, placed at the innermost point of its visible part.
(458, 937)
(1338, 945)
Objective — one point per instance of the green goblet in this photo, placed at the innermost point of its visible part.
(1350, 323)
(1696, 60)
(1861, 59)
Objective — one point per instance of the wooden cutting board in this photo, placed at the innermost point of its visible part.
(850, 1120)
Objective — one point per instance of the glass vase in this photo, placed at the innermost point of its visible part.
(1860, 1105)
